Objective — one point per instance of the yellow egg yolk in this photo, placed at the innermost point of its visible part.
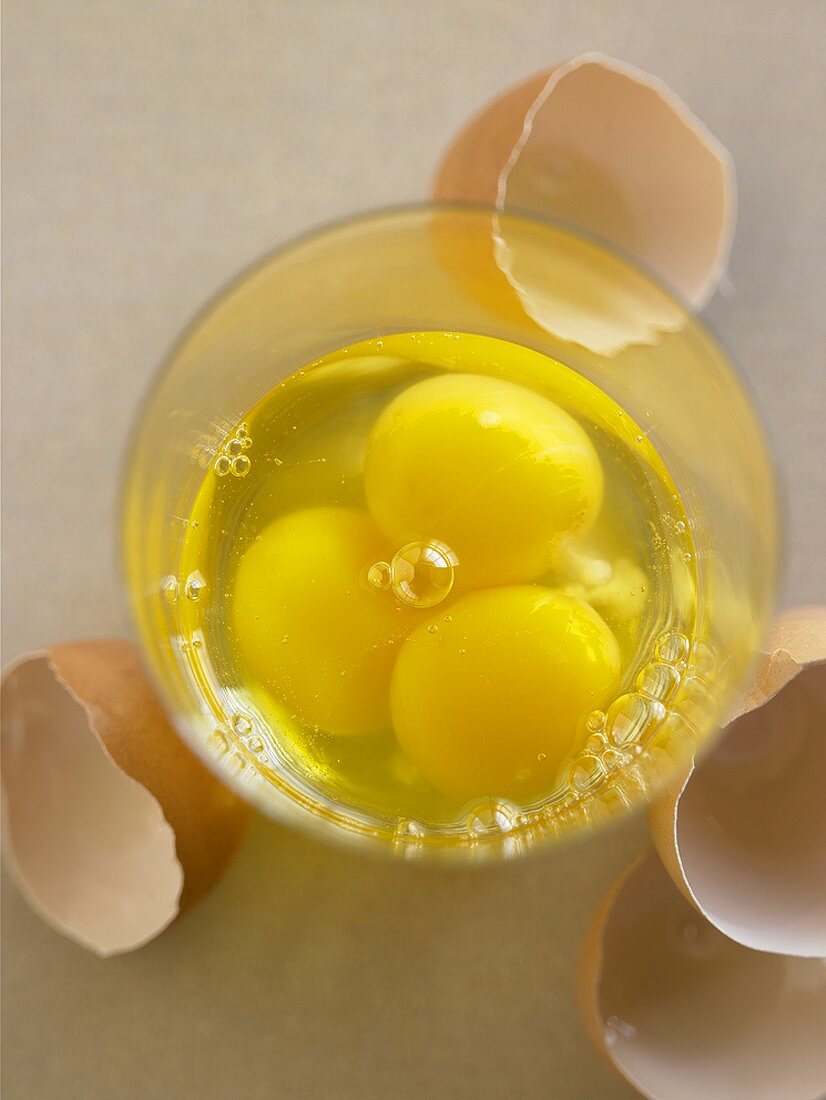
(311, 627)
(491, 698)
(493, 470)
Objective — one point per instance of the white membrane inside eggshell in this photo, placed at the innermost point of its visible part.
(751, 829)
(583, 293)
(89, 846)
(685, 1012)
(613, 150)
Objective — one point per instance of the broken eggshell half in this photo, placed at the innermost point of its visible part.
(111, 826)
(605, 147)
(744, 834)
(681, 1011)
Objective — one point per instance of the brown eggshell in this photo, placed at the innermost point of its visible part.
(682, 1012)
(744, 835)
(600, 145)
(471, 167)
(111, 825)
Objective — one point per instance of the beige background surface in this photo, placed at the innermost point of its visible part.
(153, 148)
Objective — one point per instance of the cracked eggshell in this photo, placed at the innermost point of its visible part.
(681, 1011)
(606, 147)
(744, 834)
(111, 826)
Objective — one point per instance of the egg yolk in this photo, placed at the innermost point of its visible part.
(494, 471)
(311, 627)
(491, 698)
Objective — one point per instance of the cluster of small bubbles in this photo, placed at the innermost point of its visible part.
(659, 680)
(379, 575)
(285, 639)
(462, 652)
(379, 343)
(194, 587)
(422, 573)
(632, 717)
(171, 589)
(241, 723)
(585, 773)
(639, 438)
(232, 459)
(680, 527)
(672, 648)
(491, 817)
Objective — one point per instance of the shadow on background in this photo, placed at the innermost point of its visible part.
(346, 975)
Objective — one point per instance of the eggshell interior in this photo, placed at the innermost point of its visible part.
(684, 1012)
(208, 820)
(613, 150)
(112, 825)
(751, 829)
(88, 845)
(583, 293)
(605, 147)
(744, 835)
